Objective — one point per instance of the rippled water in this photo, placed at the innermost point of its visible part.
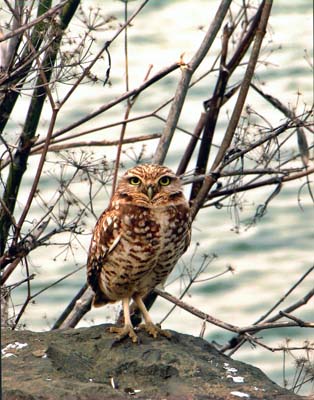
(269, 257)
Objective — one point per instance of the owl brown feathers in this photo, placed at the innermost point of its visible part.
(137, 241)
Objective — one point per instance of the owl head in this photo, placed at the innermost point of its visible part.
(150, 184)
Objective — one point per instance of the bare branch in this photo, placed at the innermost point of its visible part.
(187, 72)
(261, 30)
(25, 27)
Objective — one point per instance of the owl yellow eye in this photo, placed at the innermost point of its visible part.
(165, 181)
(134, 180)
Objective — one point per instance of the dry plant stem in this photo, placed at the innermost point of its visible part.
(182, 88)
(230, 327)
(272, 325)
(201, 197)
(130, 104)
(284, 109)
(15, 80)
(23, 248)
(76, 309)
(19, 283)
(27, 137)
(87, 70)
(198, 201)
(52, 11)
(19, 73)
(56, 282)
(119, 148)
(38, 146)
(276, 132)
(245, 43)
(302, 141)
(126, 117)
(246, 187)
(28, 298)
(192, 310)
(133, 92)
(186, 289)
(8, 54)
(102, 50)
(260, 33)
(93, 143)
(241, 171)
(8, 212)
(305, 299)
(219, 96)
(30, 241)
(230, 67)
(192, 144)
(212, 177)
(289, 316)
(67, 311)
(14, 12)
(236, 342)
(293, 287)
(209, 181)
(10, 269)
(283, 348)
(38, 174)
(212, 114)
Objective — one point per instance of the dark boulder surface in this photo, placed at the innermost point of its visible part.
(89, 364)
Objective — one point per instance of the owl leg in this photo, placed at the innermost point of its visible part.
(149, 326)
(127, 329)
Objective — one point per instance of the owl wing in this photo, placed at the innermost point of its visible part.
(105, 238)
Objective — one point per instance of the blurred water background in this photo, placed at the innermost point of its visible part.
(269, 257)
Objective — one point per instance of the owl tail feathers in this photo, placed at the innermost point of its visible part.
(100, 299)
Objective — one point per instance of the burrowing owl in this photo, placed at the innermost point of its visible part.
(137, 241)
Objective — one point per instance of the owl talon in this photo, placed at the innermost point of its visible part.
(123, 332)
(154, 330)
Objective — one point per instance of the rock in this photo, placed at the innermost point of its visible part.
(89, 364)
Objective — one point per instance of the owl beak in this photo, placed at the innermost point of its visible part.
(150, 191)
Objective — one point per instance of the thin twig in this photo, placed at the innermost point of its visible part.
(35, 21)
(28, 297)
(283, 298)
(96, 143)
(102, 50)
(236, 342)
(133, 92)
(225, 325)
(37, 175)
